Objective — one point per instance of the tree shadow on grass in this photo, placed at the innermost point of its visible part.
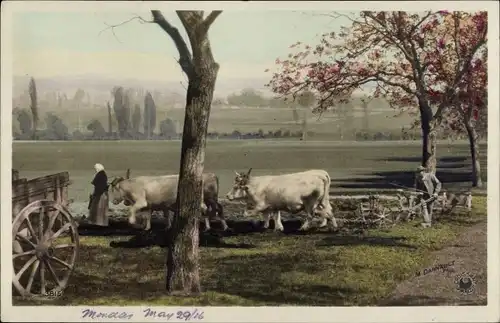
(263, 278)
(402, 179)
(108, 277)
(214, 238)
(210, 239)
(418, 159)
(158, 238)
(452, 171)
(354, 240)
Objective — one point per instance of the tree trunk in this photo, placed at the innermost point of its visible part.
(183, 254)
(304, 126)
(295, 115)
(110, 123)
(35, 125)
(474, 153)
(366, 120)
(429, 138)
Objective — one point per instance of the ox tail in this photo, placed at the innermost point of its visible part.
(217, 188)
(325, 199)
(219, 209)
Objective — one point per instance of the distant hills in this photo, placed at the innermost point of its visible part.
(98, 84)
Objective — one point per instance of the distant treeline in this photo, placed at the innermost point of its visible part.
(56, 130)
(133, 113)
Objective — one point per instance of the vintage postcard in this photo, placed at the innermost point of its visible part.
(250, 162)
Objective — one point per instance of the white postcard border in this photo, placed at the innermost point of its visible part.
(488, 313)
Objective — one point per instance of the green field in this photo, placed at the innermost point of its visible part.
(352, 165)
(226, 120)
(274, 269)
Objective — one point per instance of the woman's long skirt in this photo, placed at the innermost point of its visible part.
(98, 213)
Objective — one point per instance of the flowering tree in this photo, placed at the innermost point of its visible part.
(412, 62)
(470, 109)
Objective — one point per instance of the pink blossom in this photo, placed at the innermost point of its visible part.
(475, 114)
(480, 23)
(334, 69)
(440, 43)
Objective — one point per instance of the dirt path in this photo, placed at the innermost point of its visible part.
(438, 287)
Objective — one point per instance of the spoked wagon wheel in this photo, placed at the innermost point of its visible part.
(45, 240)
(386, 218)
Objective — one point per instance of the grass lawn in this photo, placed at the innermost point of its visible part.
(320, 269)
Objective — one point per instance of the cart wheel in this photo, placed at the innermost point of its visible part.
(387, 218)
(45, 239)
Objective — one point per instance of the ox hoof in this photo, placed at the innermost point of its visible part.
(323, 223)
(279, 229)
(225, 227)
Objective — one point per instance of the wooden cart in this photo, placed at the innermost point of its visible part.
(45, 239)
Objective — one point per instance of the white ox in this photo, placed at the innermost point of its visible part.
(305, 191)
(160, 192)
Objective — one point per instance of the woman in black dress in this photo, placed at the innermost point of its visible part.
(99, 200)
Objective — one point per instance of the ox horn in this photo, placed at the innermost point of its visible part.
(248, 174)
(128, 173)
(116, 180)
(237, 174)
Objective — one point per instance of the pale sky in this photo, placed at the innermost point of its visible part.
(244, 43)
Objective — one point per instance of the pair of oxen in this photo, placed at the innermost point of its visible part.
(306, 191)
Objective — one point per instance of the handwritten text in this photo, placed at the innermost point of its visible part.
(180, 315)
(193, 315)
(89, 313)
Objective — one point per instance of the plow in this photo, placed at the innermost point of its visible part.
(386, 210)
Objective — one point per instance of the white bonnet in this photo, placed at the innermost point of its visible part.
(98, 167)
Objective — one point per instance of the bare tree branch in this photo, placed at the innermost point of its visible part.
(334, 15)
(112, 27)
(185, 59)
(210, 19)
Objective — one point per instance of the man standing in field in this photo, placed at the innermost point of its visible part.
(427, 183)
